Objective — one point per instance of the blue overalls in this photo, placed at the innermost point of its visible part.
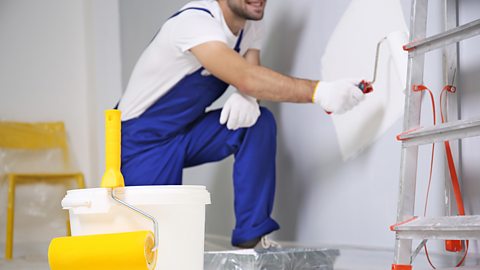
(176, 132)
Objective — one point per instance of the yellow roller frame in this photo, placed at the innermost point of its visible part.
(119, 251)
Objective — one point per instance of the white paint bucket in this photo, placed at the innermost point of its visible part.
(179, 210)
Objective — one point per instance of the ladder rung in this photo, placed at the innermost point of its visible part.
(443, 39)
(453, 227)
(441, 132)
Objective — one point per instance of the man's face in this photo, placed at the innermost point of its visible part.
(248, 9)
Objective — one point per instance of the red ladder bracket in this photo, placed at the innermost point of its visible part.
(392, 227)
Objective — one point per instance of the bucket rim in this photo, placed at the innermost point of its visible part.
(145, 188)
(178, 194)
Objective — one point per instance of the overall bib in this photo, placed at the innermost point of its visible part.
(176, 132)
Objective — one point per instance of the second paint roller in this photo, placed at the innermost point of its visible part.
(118, 251)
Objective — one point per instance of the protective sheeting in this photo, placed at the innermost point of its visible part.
(350, 53)
(34, 149)
(34, 256)
(350, 258)
(272, 259)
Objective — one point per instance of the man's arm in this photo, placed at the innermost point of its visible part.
(250, 79)
(252, 56)
(240, 110)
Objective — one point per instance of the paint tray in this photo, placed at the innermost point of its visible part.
(272, 259)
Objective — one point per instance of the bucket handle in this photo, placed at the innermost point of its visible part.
(69, 204)
(155, 223)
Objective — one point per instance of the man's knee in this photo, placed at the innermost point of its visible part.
(266, 120)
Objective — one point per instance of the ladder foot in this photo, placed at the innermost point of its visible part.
(401, 267)
(453, 245)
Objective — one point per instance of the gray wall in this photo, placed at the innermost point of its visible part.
(60, 61)
(139, 21)
(469, 85)
(321, 199)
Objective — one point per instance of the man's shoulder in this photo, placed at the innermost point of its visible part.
(196, 14)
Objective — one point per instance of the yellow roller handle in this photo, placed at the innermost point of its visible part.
(112, 177)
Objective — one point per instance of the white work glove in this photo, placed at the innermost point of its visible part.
(338, 96)
(239, 111)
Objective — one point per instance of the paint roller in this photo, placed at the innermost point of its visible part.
(119, 251)
(395, 41)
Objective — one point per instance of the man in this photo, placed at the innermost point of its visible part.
(200, 51)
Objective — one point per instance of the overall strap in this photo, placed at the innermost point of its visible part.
(239, 41)
(190, 8)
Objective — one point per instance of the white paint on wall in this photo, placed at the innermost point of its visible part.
(320, 198)
(350, 53)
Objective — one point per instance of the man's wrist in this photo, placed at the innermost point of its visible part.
(314, 92)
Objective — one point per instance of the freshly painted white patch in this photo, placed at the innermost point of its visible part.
(351, 53)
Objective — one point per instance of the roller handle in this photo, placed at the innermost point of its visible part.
(112, 178)
(365, 86)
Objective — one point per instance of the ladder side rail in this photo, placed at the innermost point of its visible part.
(451, 75)
(409, 155)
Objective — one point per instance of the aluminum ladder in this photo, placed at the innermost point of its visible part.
(408, 226)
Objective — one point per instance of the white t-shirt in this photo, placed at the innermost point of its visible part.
(167, 59)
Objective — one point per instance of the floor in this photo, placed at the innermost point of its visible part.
(376, 259)
(26, 257)
(32, 257)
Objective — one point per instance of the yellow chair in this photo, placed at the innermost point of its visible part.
(34, 137)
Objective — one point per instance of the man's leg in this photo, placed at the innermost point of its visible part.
(254, 168)
(160, 164)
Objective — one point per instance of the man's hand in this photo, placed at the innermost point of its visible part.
(338, 96)
(240, 111)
